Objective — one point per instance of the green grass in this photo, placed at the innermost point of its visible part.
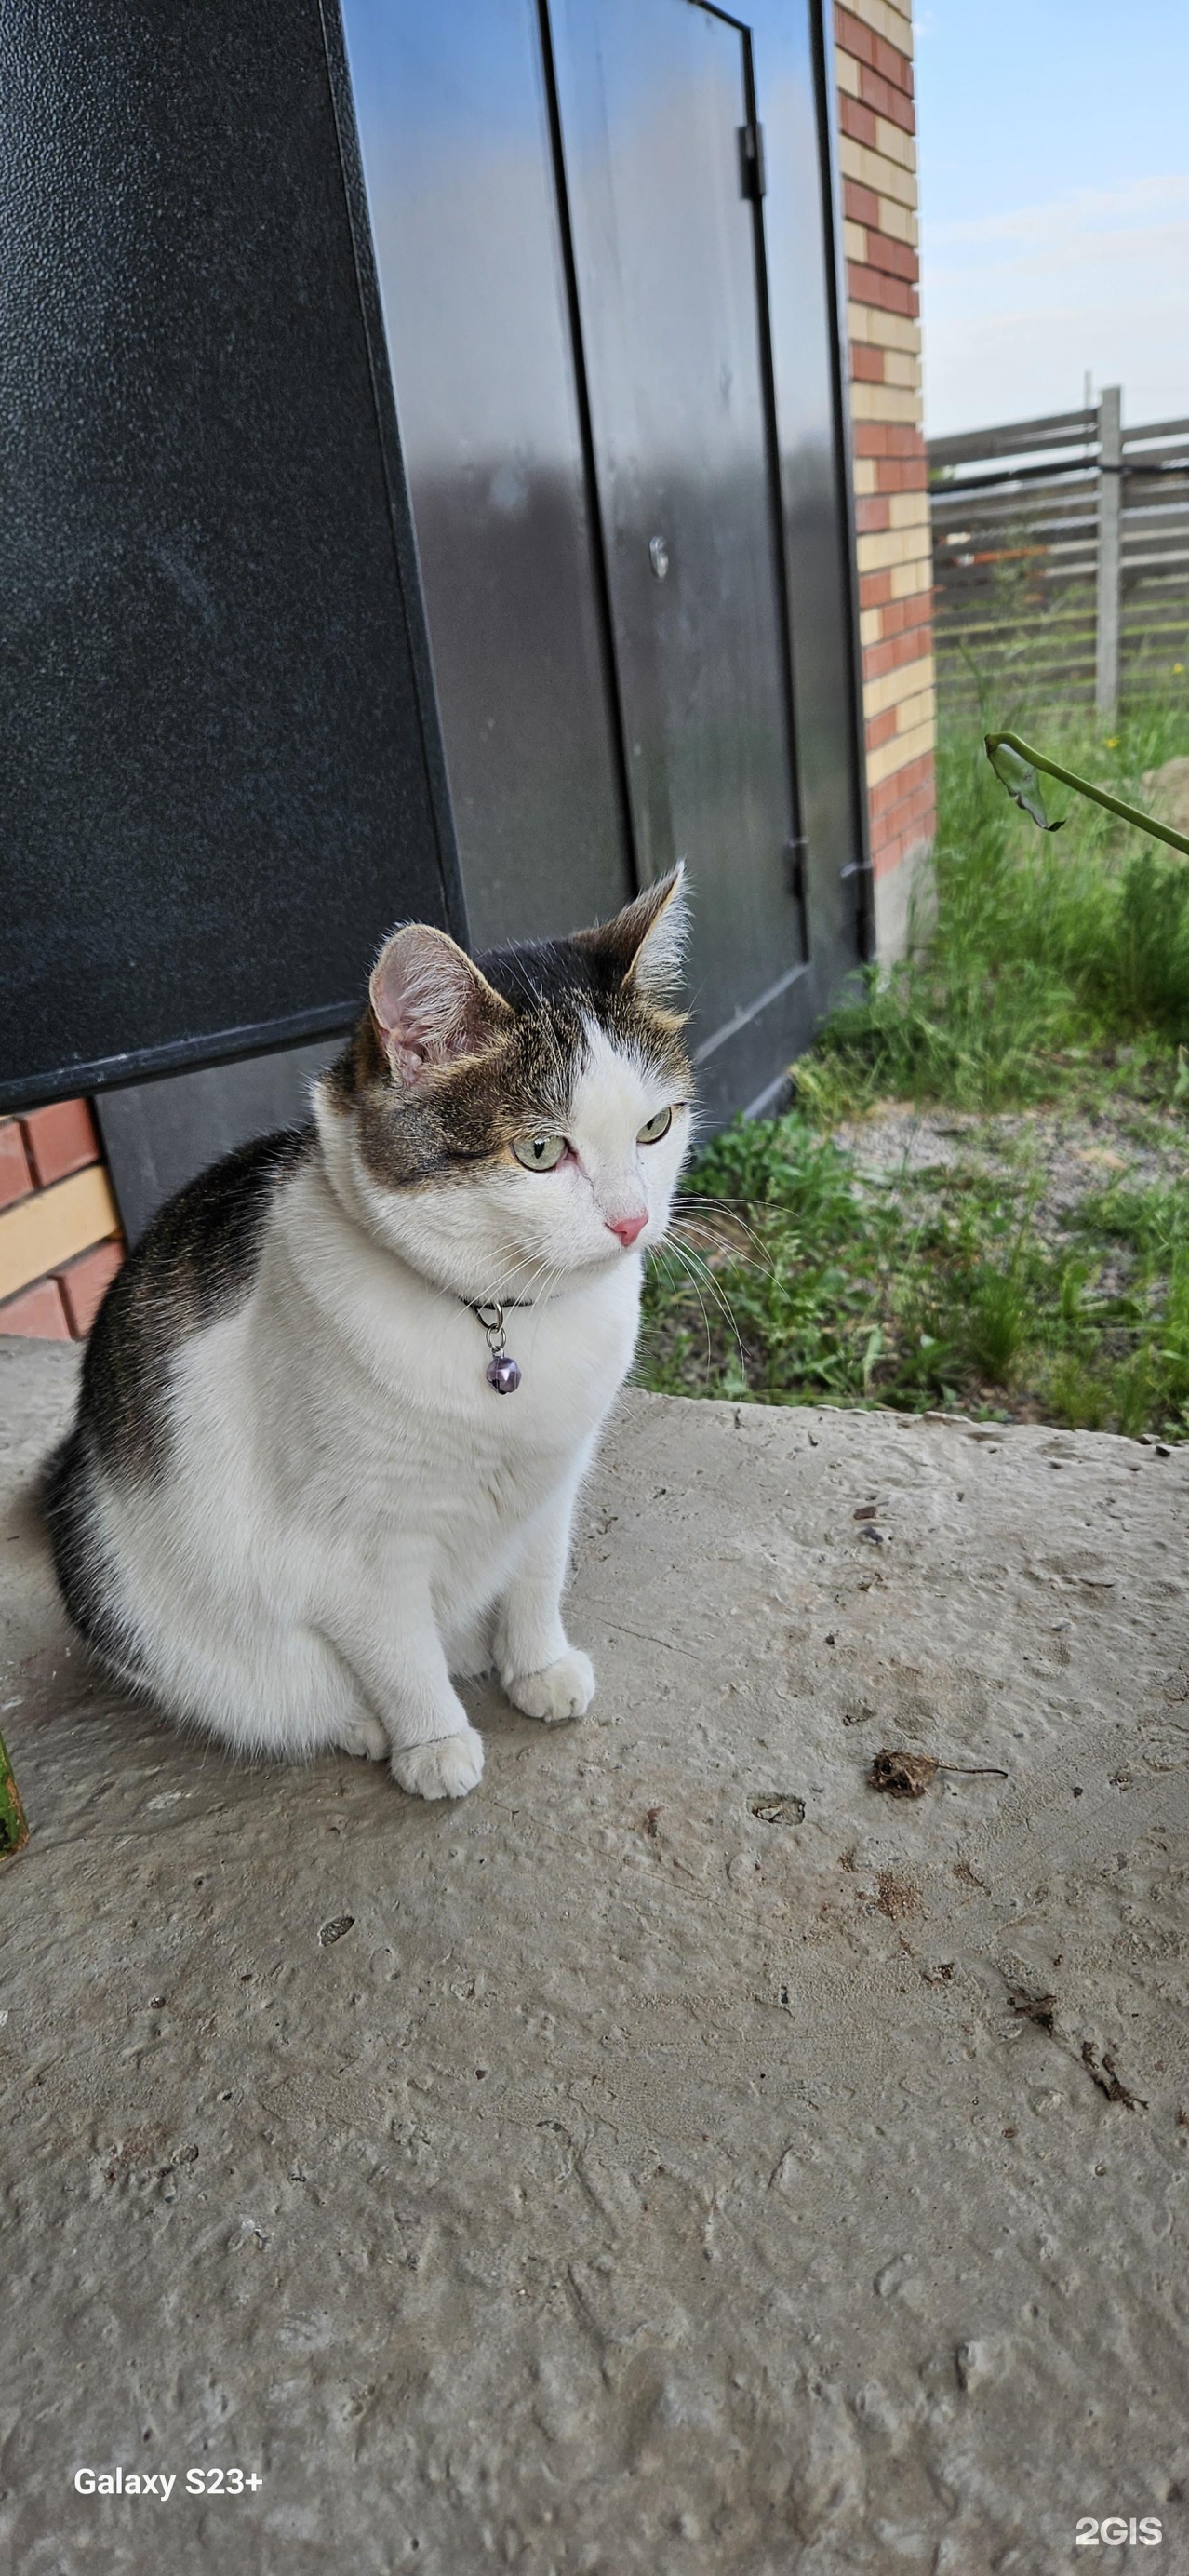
(1057, 974)
(1051, 951)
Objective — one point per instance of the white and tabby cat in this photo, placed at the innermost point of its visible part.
(294, 1503)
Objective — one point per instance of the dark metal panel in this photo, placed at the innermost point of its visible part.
(158, 1135)
(217, 794)
(456, 149)
(793, 77)
(653, 96)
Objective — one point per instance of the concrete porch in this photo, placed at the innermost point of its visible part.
(606, 2175)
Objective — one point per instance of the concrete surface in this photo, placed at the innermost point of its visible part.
(601, 2176)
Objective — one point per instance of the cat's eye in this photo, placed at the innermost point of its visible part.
(654, 1128)
(539, 1153)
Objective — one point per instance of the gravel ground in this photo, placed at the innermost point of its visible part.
(1065, 1156)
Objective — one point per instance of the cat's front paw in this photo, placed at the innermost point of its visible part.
(563, 1689)
(446, 1769)
(363, 1736)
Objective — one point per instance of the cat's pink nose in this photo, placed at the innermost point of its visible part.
(627, 1228)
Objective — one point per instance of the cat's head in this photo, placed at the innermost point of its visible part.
(501, 1119)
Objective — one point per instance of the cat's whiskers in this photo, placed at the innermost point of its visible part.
(668, 1251)
(699, 1274)
(693, 1204)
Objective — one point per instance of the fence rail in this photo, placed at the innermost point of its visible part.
(1061, 557)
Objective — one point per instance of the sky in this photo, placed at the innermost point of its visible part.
(1053, 144)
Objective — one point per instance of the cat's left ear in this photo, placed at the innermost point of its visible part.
(645, 943)
(431, 1005)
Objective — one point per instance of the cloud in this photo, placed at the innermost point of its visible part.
(1080, 211)
(1029, 298)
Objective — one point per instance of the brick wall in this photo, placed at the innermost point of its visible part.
(877, 152)
(59, 1229)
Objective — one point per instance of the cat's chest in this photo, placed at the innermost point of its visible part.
(403, 1382)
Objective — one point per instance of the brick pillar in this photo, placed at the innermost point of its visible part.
(59, 1228)
(877, 153)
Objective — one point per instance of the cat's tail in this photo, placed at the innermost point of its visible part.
(67, 1501)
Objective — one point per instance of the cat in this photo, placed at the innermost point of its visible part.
(300, 1499)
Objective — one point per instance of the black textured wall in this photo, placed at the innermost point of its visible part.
(221, 777)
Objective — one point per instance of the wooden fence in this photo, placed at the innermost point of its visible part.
(1061, 560)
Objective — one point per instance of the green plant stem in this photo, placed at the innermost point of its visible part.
(14, 1832)
(1100, 795)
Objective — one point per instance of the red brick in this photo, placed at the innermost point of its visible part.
(911, 618)
(84, 1284)
(16, 1179)
(885, 101)
(860, 203)
(893, 65)
(852, 37)
(887, 438)
(897, 257)
(866, 364)
(877, 287)
(60, 1139)
(857, 120)
(891, 653)
(880, 728)
(901, 474)
(38, 1311)
(874, 589)
(889, 791)
(872, 515)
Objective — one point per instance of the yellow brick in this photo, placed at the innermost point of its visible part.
(898, 222)
(53, 1225)
(889, 20)
(871, 626)
(894, 144)
(913, 712)
(892, 687)
(854, 239)
(873, 170)
(883, 546)
(866, 475)
(909, 509)
(884, 402)
(909, 578)
(897, 753)
(883, 330)
(900, 368)
(849, 76)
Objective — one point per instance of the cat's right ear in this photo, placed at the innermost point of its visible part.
(431, 1005)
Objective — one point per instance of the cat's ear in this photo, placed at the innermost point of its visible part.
(431, 1005)
(645, 943)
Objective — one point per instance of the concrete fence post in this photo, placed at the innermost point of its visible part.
(1110, 505)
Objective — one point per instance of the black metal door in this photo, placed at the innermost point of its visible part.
(454, 129)
(218, 747)
(626, 465)
(661, 172)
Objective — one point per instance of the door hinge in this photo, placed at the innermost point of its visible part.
(794, 862)
(752, 181)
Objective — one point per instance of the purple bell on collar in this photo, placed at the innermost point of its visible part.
(503, 1373)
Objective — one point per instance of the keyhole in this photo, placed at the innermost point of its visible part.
(658, 556)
